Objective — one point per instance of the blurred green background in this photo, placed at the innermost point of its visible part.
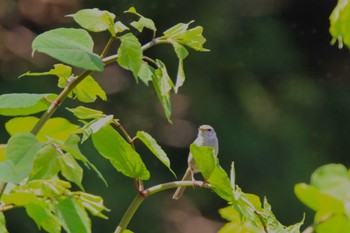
(273, 87)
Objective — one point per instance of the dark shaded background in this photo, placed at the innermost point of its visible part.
(273, 87)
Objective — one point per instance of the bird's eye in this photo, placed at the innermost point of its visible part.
(209, 130)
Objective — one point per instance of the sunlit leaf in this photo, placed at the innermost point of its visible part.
(43, 218)
(58, 128)
(94, 19)
(120, 153)
(72, 217)
(88, 90)
(20, 198)
(69, 45)
(20, 154)
(84, 113)
(316, 199)
(24, 104)
(153, 146)
(130, 54)
(332, 179)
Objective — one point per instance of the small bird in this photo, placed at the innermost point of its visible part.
(206, 137)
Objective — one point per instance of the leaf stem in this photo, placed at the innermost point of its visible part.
(108, 45)
(140, 197)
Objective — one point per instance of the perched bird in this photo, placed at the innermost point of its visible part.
(206, 137)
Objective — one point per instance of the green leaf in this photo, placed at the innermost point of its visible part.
(71, 146)
(317, 200)
(145, 73)
(181, 53)
(335, 224)
(88, 90)
(71, 46)
(3, 223)
(332, 179)
(339, 28)
(120, 153)
(192, 38)
(58, 128)
(221, 184)
(143, 22)
(163, 85)
(94, 20)
(119, 27)
(24, 104)
(152, 145)
(72, 217)
(20, 198)
(46, 163)
(272, 224)
(94, 204)
(86, 113)
(130, 54)
(95, 125)
(70, 169)
(63, 73)
(43, 218)
(236, 223)
(205, 159)
(20, 153)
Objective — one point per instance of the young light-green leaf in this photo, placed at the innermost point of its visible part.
(24, 104)
(94, 19)
(88, 90)
(58, 128)
(120, 153)
(130, 54)
(20, 153)
(84, 113)
(71, 46)
(153, 146)
(72, 216)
